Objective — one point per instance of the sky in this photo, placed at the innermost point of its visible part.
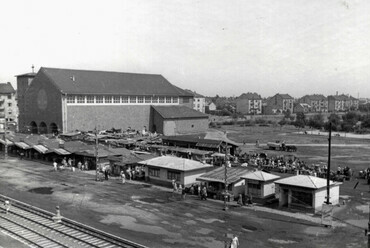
(213, 47)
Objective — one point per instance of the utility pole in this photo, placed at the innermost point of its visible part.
(328, 169)
(368, 228)
(5, 128)
(96, 155)
(226, 193)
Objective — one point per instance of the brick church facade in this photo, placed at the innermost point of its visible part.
(64, 100)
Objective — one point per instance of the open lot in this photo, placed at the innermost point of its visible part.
(153, 216)
(312, 148)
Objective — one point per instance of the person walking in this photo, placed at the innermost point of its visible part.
(123, 177)
(204, 193)
(7, 206)
(55, 165)
(234, 242)
(106, 174)
(240, 200)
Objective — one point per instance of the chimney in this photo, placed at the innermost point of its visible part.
(337, 92)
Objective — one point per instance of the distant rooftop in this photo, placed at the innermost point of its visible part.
(7, 88)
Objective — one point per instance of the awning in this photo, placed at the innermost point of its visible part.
(22, 145)
(61, 151)
(40, 148)
(8, 142)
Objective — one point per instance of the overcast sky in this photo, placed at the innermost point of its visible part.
(223, 47)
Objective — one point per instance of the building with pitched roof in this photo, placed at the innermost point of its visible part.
(8, 103)
(279, 103)
(260, 184)
(65, 100)
(199, 102)
(340, 103)
(249, 103)
(215, 181)
(215, 145)
(306, 192)
(162, 170)
(318, 103)
(302, 108)
(178, 120)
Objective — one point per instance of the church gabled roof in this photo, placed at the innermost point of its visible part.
(71, 81)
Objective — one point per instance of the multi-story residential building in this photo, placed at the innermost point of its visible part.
(318, 103)
(8, 103)
(249, 103)
(338, 103)
(199, 102)
(279, 103)
(354, 103)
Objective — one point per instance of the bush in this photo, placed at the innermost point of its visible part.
(260, 121)
(214, 125)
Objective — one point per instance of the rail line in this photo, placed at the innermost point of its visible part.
(38, 228)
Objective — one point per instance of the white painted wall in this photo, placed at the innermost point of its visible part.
(191, 176)
(320, 197)
(268, 189)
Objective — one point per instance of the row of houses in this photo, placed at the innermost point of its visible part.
(253, 103)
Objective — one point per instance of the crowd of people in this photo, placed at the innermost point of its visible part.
(293, 165)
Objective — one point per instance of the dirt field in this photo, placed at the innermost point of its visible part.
(313, 148)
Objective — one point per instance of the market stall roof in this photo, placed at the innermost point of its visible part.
(7, 142)
(120, 151)
(22, 145)
(260, 176)
(91, 153)
(209, 144)
(305, 181)
(72, 134)
(41, 149)
(189, 150)
(61, 151)
(234, 174)
(175, 163)
(134, 158)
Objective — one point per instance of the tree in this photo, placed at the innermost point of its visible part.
(287, 114)
(366, 122)
(335, 121)
(316, 121)
(300, 120)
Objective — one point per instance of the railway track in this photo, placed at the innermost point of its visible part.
(38, 228)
